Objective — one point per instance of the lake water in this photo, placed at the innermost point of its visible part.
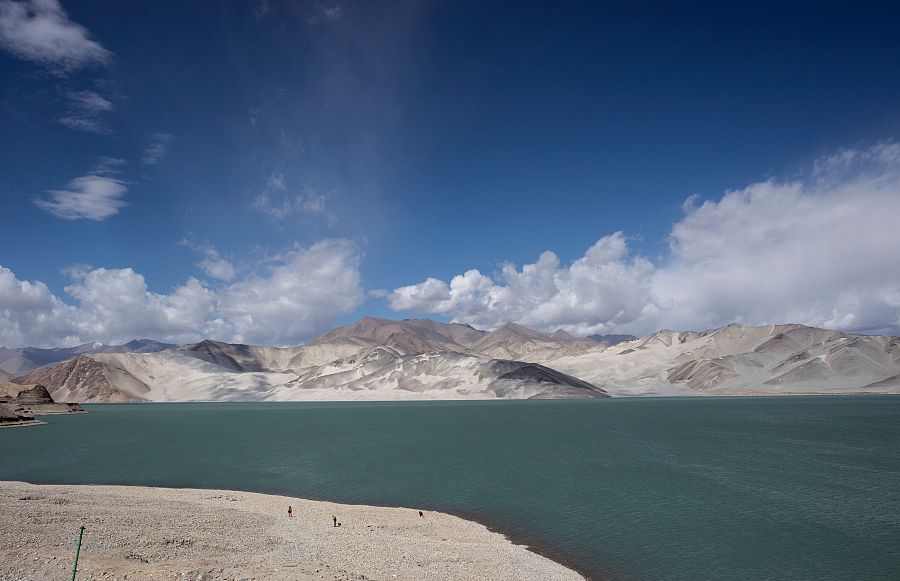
(695, 488)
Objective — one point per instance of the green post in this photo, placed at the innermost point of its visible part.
(78, 550)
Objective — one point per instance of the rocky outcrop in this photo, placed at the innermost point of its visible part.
(20, 403)
(10, 418)
(34, 395)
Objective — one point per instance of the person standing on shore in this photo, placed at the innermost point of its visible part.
(290, 511)
(334, 518)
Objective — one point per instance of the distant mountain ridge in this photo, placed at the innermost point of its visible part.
(370, 359)
(423, 359)
(15, 362)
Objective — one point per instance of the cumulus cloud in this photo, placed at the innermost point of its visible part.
(40, 31)
(278, 202)
(30, 314)
(96, 196)
(158, 148)
(116, 304)
(299, 293)
(822, 250)
(86, 112)
(604, 289)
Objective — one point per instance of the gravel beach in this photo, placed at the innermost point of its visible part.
(162, 533)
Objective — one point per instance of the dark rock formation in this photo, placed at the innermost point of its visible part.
(21, 402)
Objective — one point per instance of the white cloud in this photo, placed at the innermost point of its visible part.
(30, 314)
(96, 196)
(213, 264)
(297, 295)
(86, 109)
(217, 267)
(823, 251)
(40, 31)
(301, 293)
(276, 201)
(116, 305)
(158, 148)
(603, 290)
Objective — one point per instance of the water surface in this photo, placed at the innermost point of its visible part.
(696, 488)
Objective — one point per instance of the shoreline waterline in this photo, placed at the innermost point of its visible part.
(463, 543)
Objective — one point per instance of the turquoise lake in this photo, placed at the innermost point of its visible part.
(649, 489)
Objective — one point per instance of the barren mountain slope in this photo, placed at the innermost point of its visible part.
(423, 359)
(512, 341)
(9, 389)
(385, 374)
(379, 374)
(84, 379)
(743, 360)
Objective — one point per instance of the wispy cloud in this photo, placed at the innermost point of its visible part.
(158, 148)
(261, 8)
(278, 202)
(109, 166)
(40, 31)
(326, 13)
(86, 110)
(96, 196)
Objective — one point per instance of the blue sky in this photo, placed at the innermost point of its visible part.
(262, 171)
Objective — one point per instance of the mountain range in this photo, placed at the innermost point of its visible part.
(382, 359)
(15, 362)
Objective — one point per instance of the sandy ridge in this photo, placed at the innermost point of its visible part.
(161, 533)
